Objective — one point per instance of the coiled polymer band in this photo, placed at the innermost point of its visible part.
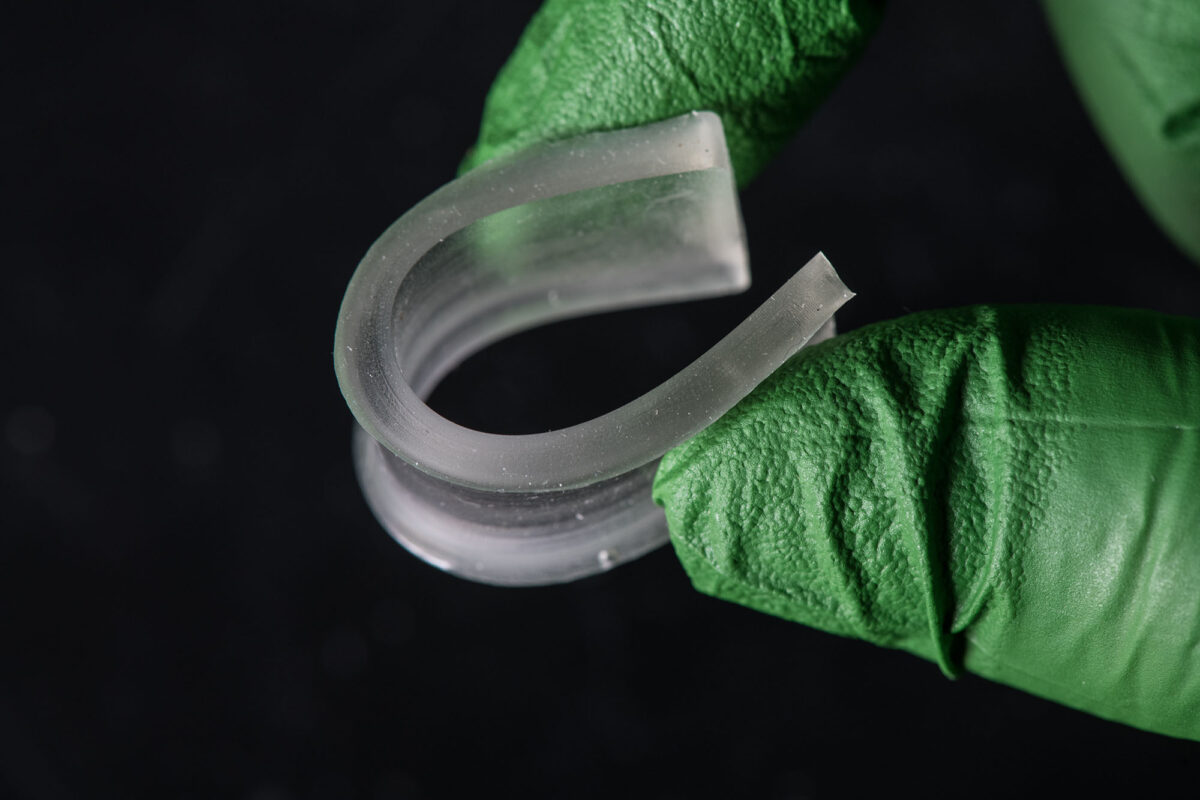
(595, 223)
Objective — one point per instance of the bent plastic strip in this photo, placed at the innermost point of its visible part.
(599, 222)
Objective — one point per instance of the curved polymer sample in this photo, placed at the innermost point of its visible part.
(1010, 490)
(599, 221)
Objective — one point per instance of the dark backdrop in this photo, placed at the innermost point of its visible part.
(194, 599)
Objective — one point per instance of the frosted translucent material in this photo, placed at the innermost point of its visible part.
(603, 221)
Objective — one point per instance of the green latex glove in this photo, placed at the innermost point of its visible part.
(1013, 491)
(1137, 66)
(590, 65)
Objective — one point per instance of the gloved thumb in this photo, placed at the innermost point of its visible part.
(1014, 491)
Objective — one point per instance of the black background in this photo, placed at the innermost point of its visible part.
(195, 600)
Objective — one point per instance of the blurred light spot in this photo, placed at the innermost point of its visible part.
(30, 430)
(196, 444)
(344, 654)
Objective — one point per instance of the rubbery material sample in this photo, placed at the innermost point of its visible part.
(586, 65)
(1136, 64)
(1010, 490)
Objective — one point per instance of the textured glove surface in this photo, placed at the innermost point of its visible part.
(1013, 490)
(589, 65)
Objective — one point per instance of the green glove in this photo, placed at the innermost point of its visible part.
(590, 65)
(1137, 66)
(1013, 491)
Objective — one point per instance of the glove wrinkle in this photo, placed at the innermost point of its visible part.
(1010, 491)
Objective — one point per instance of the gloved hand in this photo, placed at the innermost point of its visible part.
(1013, 491)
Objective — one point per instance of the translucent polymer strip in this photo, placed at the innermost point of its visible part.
(603, 221)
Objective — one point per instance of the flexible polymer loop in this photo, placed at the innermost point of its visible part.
(599, 222)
